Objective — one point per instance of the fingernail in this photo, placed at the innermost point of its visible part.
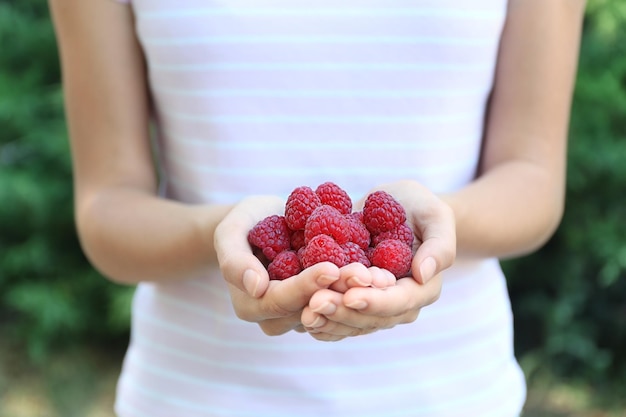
(357, 305)
(326, 309)
(326, 280)
(251, 280)
(318, 322)
(358, 282)
(427, 269)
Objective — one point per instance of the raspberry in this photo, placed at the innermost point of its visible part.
(358, 232)
(297, 239)
(259, 254)
(381, 212)
(299, 206)
(318, 226)
(356, 216)
(369, 252)
(333, 195)
(355, 253)
(403, 233)
(300, 253)
(327, 220)
(271, 235)
(394, 256)
(286, 264)
(323, 248)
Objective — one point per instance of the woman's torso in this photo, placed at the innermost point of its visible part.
(261, 97)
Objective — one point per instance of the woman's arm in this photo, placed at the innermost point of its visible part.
(516, 203)
(126, 230)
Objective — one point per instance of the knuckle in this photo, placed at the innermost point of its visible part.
(358, 332)
(227, 264)
(245, 314)
(243, 310)
(435, 296)
(271, 328)
(327, 337)
(450, 255)
(410, 317)
(376, 324)
(276, 310)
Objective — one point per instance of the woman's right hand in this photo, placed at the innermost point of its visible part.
(279, 308)
(275, 305)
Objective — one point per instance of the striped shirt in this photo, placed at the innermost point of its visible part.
(259, 97)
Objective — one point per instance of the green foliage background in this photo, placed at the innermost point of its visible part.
(49, 295)
(568, 297)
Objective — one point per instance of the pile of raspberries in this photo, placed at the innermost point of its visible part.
(320, 226)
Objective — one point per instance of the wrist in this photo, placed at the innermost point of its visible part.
(205, 219)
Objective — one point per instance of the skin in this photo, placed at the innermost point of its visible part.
(512, 208)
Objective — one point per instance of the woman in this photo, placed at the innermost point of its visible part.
(458, 109)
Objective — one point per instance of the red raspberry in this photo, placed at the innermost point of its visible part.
(300, 253)
(327, 220)
(355, 253)
(333, 195)
(369, 252)
(381, 212)
(403, 233)
(323, 248)
(297, 239)
(358, 232)
(299, 206)
(356, 216)
(286, 264)
(259, 254)
(394, 256)
(271, 235)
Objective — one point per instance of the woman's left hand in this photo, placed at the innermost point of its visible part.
(332, 316)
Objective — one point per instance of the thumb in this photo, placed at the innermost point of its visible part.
(293, 294)
(437, 251)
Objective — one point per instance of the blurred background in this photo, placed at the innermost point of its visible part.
(64, 328)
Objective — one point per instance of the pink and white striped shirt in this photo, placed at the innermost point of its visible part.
(259, 97)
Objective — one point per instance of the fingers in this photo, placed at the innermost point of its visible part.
(352, 275)
(358, 275)
(361, 300)
(318, 325)
(382, 278)
(276, 327)
(438, 248)
(284, 298)
(239, 266)
(406, 295)
(433, 223)
(332, 328)
(331, 316)
(293, 294)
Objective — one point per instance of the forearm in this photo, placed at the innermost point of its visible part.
(131, 235)
(509, 211)
(517, 201)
